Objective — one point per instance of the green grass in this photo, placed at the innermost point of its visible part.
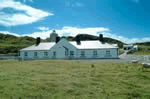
(121, 52)
(142, 53)
(73, 80)
(143, 50)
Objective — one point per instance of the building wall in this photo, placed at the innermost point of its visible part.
(60, 54)
(101, 53)
(40, 55)
(60, 49)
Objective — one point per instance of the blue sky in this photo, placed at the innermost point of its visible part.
(125, 20)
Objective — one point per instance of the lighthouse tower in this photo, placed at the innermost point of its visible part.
(53, 36)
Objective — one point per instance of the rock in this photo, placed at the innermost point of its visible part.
(146, 65)
(134, 61)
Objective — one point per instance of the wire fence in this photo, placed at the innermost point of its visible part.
(9, 57)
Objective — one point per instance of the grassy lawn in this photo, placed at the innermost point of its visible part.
(143, 50)
(142, 53)
(121, 52)
(73, 80)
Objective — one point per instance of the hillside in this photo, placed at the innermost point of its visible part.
(84, 37)
(12, 44)
(143, 49)
(144, 43)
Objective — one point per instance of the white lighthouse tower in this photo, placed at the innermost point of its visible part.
(53, 36)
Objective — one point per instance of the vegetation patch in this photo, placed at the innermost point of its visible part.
(143, 50)
(61, 80)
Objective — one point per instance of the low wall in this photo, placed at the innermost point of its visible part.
(145, 58)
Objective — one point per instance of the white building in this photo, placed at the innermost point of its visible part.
(70, 50)
(116, 45)
(130, 47)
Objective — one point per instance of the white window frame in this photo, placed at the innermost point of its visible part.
(26, 54)
(54, 53)
(46, 54)
(108, 52)
(66, 53)
(35, 54)
(82, 53)
(94, 53)
(71, 53)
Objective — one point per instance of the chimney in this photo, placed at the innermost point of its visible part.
(57, 39)
(101, 39)
(78, 40)
(38, 40)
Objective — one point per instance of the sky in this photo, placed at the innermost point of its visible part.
(124, 20)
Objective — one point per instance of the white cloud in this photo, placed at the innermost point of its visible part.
(6, 32)
(29, 16)
(136, 1)
(43, 28)
(73, 31)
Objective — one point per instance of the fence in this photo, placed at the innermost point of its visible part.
(10, 56)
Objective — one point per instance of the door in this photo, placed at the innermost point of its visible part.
(60, 52)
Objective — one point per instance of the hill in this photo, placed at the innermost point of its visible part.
(84, 37)
(143, 49)
(144, 43)
(12, 44)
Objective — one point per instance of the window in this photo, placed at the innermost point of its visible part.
(71, 53)
(108, 52)
(35, 53)
(82, 53)
(94, 53)
(54, 53)
(25, 53)
(45, 53)
(66, 52)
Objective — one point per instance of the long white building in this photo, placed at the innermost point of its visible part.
(64, 49)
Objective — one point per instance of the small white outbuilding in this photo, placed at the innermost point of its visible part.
(130, 47)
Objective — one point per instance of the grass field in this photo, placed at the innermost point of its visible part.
(64, 79)
(143, 50)
(121, 52)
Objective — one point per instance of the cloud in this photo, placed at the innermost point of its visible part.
(43, 28)
(73, 31)
(6, 32)
(136, 1)
(28, 15)
(68, 31)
